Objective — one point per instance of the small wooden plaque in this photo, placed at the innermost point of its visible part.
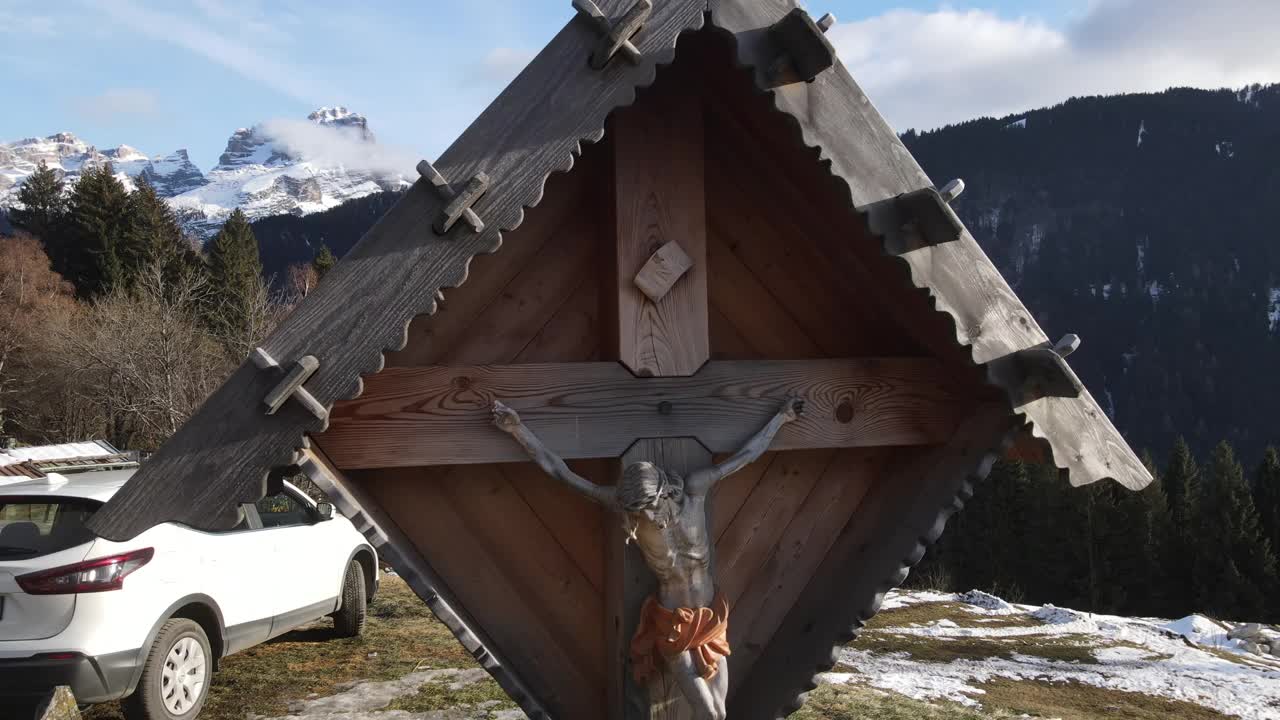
(662, 270)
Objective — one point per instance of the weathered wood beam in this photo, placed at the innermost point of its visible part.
(395, 549)
(440, 415)
(659, 198)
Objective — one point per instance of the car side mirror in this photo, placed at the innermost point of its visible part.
(324, 510)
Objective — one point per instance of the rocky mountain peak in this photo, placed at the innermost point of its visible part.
(344, 118)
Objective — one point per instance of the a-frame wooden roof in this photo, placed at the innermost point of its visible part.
(536, 127)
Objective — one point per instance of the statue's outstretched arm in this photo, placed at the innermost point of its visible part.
(509, 422)
(701, 481)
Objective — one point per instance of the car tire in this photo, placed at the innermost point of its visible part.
(176, 674)
(348, 621)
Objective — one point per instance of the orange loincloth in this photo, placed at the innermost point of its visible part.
(665, 634)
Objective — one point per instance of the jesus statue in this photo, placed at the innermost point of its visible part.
(686, 623)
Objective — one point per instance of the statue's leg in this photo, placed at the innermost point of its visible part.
(720, 687)
(696, 690)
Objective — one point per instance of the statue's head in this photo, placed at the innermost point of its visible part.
(644, 487)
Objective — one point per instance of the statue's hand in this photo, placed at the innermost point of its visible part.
(792, 408)
(504, 417)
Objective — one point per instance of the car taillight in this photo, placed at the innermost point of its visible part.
(99, 575)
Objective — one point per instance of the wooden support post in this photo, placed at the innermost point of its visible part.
(659, 198)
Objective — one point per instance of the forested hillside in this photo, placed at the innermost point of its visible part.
(1147, 224)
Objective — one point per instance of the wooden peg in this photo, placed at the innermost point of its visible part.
(661, 271)
(457, 203)
(952, 190)
(1046, 374)
(803, 48)
(615, 38)
(1067, 345)
(291, 385)
(925, 214)
(826, 21)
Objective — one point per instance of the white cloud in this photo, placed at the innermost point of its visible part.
(928, 69)
(501, 64)
(328, 145)
(118, 103)
(23, 23)
(223, 47)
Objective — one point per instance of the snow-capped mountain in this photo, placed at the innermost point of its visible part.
(273, 168)
(285, 167)
(171, 174)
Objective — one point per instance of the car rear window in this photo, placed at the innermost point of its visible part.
(34, 526)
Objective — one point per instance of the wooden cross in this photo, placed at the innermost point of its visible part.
(661, 398)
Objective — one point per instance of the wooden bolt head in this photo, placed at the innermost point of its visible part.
(662, 270)
(826, 21)
(952, 190)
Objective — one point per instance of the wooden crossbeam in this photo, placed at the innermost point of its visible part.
(440, 415)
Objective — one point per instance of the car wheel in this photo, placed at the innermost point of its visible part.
(349, 620)
(175, 678)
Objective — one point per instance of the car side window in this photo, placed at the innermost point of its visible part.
(282, 510)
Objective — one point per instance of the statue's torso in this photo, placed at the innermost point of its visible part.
(680, 556)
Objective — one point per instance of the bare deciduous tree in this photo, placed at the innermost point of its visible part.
(141, 361)
(36, 305)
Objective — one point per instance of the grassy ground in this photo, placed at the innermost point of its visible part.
(402, 637)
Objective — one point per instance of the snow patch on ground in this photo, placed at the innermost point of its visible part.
(987, 601)
(1189, 659)
(1020, 124)
(1273, 309)
(1142, 130)
(366, 700)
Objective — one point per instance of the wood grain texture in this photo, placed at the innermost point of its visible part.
(663, 268)
(535, 127)
(730, 493)
(798, 552)
(658, 193)
(516, 315)
(833, 114)
(430, 337)
(480, 577)
(397, 550)
(577, 523)
(774, 227)
(751, 310)
(758, 525)
(440, 415)
(904, 512)
(528, 553)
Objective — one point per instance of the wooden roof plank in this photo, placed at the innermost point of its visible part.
(833, 114)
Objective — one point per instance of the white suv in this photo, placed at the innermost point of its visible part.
(149, 619)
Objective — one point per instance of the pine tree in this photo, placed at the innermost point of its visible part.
(1233, 564)
(235, 273)
(43, 207)
(1182, 487)
(1138, 558)
(323, 262)
(98, 219)
(154, 236)
(1266, 497)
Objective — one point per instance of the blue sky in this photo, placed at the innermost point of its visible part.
(164, 75)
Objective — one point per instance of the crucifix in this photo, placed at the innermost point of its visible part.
(685, 623)
(676, 419)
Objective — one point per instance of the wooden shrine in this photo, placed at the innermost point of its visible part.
(683, 222)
